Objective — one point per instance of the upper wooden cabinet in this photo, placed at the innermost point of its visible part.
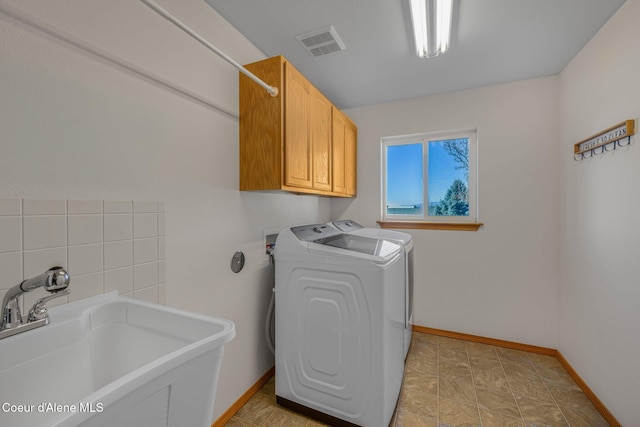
(290, 142)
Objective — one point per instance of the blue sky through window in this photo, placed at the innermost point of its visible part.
(405, 174)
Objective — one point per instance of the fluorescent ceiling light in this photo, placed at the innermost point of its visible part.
(431, 26)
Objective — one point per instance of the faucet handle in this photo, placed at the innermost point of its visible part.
(11, 316)
(57, 279)
(39, 309)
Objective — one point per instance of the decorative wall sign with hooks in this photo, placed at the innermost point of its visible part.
(605, 141)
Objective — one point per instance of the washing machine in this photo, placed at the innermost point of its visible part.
(406, 240)
(340, 321)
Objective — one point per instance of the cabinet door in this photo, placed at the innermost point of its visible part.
(297, 141)
(320, 122)
(345, 139)
(339, 152)
(351, 157)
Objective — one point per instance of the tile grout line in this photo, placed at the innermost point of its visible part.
(244, 421)
(524, 422)
(273, 412)
(550, 394)
(473, 383)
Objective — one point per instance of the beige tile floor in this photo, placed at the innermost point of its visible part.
(455, 383)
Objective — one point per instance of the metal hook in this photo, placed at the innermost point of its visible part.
(578, 157)
(624, 145)
(584, 155)
(613, 144)
(596, 149)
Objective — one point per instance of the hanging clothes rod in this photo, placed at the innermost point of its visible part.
(92, 51)
(273, 91)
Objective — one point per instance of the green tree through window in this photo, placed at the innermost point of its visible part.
(456, 200)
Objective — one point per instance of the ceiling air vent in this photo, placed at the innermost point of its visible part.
(321, 42)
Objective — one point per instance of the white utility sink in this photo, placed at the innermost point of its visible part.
(113, 361)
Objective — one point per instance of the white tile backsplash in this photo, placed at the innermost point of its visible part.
(150, 294)
(161, 271)
(44, 207)
(145, 250)
(150, 207)
(83, 229)
(11, 268)
(118, 254)
(120, 279)
(118, 227)
(145, 225)
(85, 259)
(44, 231)
(161, 248)
(86, 286)
(84, 207)
(162, 293)
(160, 224)
(97, 241)
(118, 206)
(145, 275)
(10, 233)
(37, 262)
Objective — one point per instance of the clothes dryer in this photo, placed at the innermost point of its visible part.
(406, 240)
(339, 325)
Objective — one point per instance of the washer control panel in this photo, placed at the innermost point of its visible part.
(311, 232)
(346, 225)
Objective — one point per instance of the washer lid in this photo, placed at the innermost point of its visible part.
(349, 247)
(379, 233)
(365, 245)
(326, 240)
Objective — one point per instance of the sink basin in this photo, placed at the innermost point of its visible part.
(113, 361)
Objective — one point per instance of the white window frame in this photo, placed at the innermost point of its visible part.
(425, 138)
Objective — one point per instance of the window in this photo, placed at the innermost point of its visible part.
(430, 178)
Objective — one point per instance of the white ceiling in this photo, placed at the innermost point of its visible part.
(494, 41)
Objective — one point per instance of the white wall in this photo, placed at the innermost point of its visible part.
(501, 281)
(73, 126)
(600, 289)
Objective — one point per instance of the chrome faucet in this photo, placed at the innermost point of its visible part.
(55, 280)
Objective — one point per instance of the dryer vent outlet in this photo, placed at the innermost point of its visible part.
(321, 42)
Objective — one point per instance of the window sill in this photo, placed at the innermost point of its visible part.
(419, 225)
